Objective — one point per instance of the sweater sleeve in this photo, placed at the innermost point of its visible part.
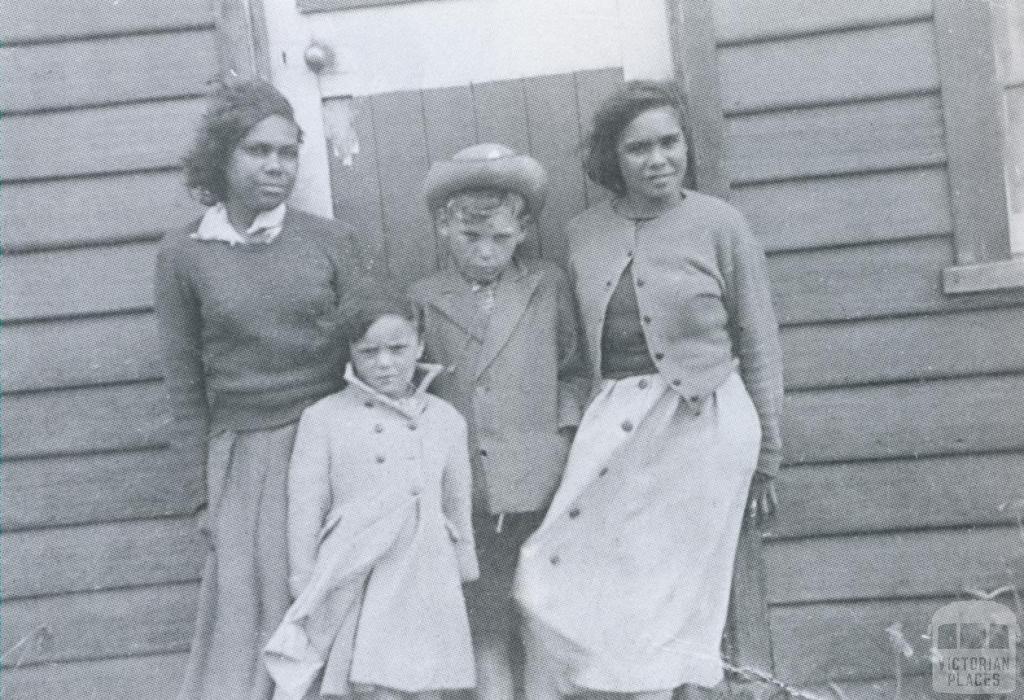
(572, 366)
(309, 498)
(180, 332)
(457, 504)
(755, 332)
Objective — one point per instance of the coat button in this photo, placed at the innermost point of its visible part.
(642, 384)
(640, 283)
(647, 319)
(603, 472)
(555, 560)
(412, 426)
(627, 425)
(483, 453)
(608, 283)
(694, 399)
(378, 428)
(574, 513)
(380, 459)
(677, 382)
(659, 356)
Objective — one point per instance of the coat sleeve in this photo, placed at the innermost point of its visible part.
(309, 498)
(755, 333)
(457, 504)
(180, 331)
(573, 378)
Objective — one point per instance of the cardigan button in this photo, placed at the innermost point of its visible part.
(574, 513)
(627, 426)
(603, 472)
(555, 560)
(378, 428)
(642, 384)
(659, 356)
(412, 426)
(677, 382)
(483, 453)
(647, 319)
(608, 283)
(368, 403)
(380, 459)
(639, 283)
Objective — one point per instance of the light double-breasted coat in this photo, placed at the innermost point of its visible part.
(380, 540)
(518, 376)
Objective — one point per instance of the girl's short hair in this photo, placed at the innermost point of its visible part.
(478, 206)
(233, 110)
(601, 157)
(368, 300)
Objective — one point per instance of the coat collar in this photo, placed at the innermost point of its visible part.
(411, 407)
(512, 293)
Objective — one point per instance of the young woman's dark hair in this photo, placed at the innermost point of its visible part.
(234, 109)
(601, 159)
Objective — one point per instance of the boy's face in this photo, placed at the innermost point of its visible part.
(482, 250)
(385, 357)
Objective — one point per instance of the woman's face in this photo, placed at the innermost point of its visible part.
(385, 357)
(652, 157)
(261, 171)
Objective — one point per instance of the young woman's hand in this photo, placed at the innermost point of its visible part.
(762, 501)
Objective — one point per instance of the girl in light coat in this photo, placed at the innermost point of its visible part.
(379, 528)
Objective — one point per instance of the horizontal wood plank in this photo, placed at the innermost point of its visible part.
(957, 416)
(894, 565)
(887, 279)
(82, 351)
(110, 487)
(55, 561)
(815, 644)
(93, 419)
(154, 677)
(750, 20)
(829, 69)
(867, 208)
(106, 71)
(101, 625)
(98, 140)
(86, 210)
(81, 281)
(901, 349)
(820, 141)
(33, 21)
(928, 492)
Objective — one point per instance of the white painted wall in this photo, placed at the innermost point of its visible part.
(443, 43)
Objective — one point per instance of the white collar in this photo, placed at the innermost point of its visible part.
(215, 226)
(410, 406)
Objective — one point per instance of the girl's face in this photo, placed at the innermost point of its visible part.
(652, 158)
(385, 357)
(261, 171)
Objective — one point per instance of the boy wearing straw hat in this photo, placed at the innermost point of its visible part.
(506, 330)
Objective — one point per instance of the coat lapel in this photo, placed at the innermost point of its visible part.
(511, 298)
(454, 299)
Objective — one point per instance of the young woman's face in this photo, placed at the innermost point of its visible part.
(261, 171)
(385, 357)
(483, 250)
(652, 157)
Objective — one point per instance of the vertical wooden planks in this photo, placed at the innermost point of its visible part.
(355, 180)
(402, 153)
(501, 117)
(555, 139)
(592, 87)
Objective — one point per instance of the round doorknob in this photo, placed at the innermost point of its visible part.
(319, 56)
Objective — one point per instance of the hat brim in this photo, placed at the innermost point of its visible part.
(515, 173)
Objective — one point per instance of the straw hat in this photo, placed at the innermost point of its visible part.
(487, 166)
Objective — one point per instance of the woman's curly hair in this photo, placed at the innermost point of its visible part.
(601, 157)
(234, 109)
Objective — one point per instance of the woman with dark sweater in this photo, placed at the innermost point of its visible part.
(246, 301)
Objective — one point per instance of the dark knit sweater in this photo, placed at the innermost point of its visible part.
(249, 332)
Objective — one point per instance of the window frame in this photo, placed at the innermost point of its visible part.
(974, 144)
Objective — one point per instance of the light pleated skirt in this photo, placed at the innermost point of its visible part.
(625, 586)
(244, 594)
